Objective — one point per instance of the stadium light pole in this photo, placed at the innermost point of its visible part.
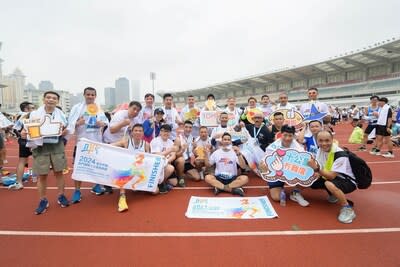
(153, 78)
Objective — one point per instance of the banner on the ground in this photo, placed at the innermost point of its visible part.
(289, 166)
(230, 208)
(44, 127)
(114, 166)
(209, 118)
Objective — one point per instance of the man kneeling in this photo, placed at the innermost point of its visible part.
(334, 174)
(226, 160)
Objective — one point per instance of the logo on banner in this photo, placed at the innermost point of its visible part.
(289, 166)
(191, 115)
(291, 117)
(122, 177)
(209, 118)
(315, 114)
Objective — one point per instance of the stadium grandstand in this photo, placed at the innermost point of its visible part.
(349, 78)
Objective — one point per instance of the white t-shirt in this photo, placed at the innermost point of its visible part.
(278, 145)
(305, 109)
(287, 106)
(340, 165)
(146, 113)
(158, 145)
(117, 118)
(171, 116)
(225, 163)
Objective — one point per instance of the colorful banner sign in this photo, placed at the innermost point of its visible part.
(43, 128)
(209, 118)
(114, 166)
(250, 114)
(191, 115)
(230, 208)
(289, 166)
(291, 117)
(253, 154)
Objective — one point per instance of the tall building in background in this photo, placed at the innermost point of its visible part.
(12, 95)
(46, 86)
(136, 95)
(122, 91)
(109, 96)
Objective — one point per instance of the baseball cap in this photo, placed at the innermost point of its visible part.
(158, 110)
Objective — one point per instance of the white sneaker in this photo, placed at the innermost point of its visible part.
(297, 197)
(388, 155)
(346, 215)
(16, 186)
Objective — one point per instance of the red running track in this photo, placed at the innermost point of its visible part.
(155, 231)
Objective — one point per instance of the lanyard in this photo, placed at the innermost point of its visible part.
(256, 133)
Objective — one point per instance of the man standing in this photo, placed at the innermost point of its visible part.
(372, 120)
(49, 151)
(24, 152)
(266, 106)
(283, 102)
(306, 108)
(86, 120)
(171, 116)
(383, 130)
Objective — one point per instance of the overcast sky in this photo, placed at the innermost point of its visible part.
(189, 44)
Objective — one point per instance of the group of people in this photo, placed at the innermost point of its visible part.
(193, 151)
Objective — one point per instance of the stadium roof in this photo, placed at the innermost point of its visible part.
(385, 52)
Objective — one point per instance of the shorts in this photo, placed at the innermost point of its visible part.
(188, 167)
(275, 184)
(381, 130)
(344, 184)
(225, 181)
(369, 128)
(23, 151)
(49, 155)
(1, 140)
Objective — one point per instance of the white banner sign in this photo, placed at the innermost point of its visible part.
(230, 208)
(4, 121)
(209, 118)
(114, 166)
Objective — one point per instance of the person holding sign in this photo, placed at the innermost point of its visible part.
(86, 120)
(233, 112)
(310, 142)
(191, 113)
(48, 150)
(217, 132)
(226, 176)
(250, 110)
(185, 159)
(286, 141)
(162, 145)
(134, 143)
(200, 146)
(333, 174)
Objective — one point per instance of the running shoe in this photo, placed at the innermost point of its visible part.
(346, 215)
(238, 191)
(63, 201)
(16, 186)
(297, 197)
(43, 205)
(122, 205)
(181, 182)
(97, 190)
(108, 189)
(76, 197)
(388, 155)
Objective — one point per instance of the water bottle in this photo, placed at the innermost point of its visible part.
(282, 198)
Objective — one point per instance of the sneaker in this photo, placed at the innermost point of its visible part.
(297, 197)
(388, 155)
(63, 201)
(181, 182)
(122, 205)
(163, 188)
(373, 151)
(16, 186)
(238, 191)
(362, 148)
(217, 191)
(332, 199)
(346, 215)
(76, 197)
(202, 175)
(43, 205)
(108, 189)
(97, 190)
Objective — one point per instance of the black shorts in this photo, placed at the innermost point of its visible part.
(188, 167)
(225, 181)
(23, 151)
(382, 130)
(344, 184)
(369, 128)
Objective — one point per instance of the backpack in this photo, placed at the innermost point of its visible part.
(360, 169)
